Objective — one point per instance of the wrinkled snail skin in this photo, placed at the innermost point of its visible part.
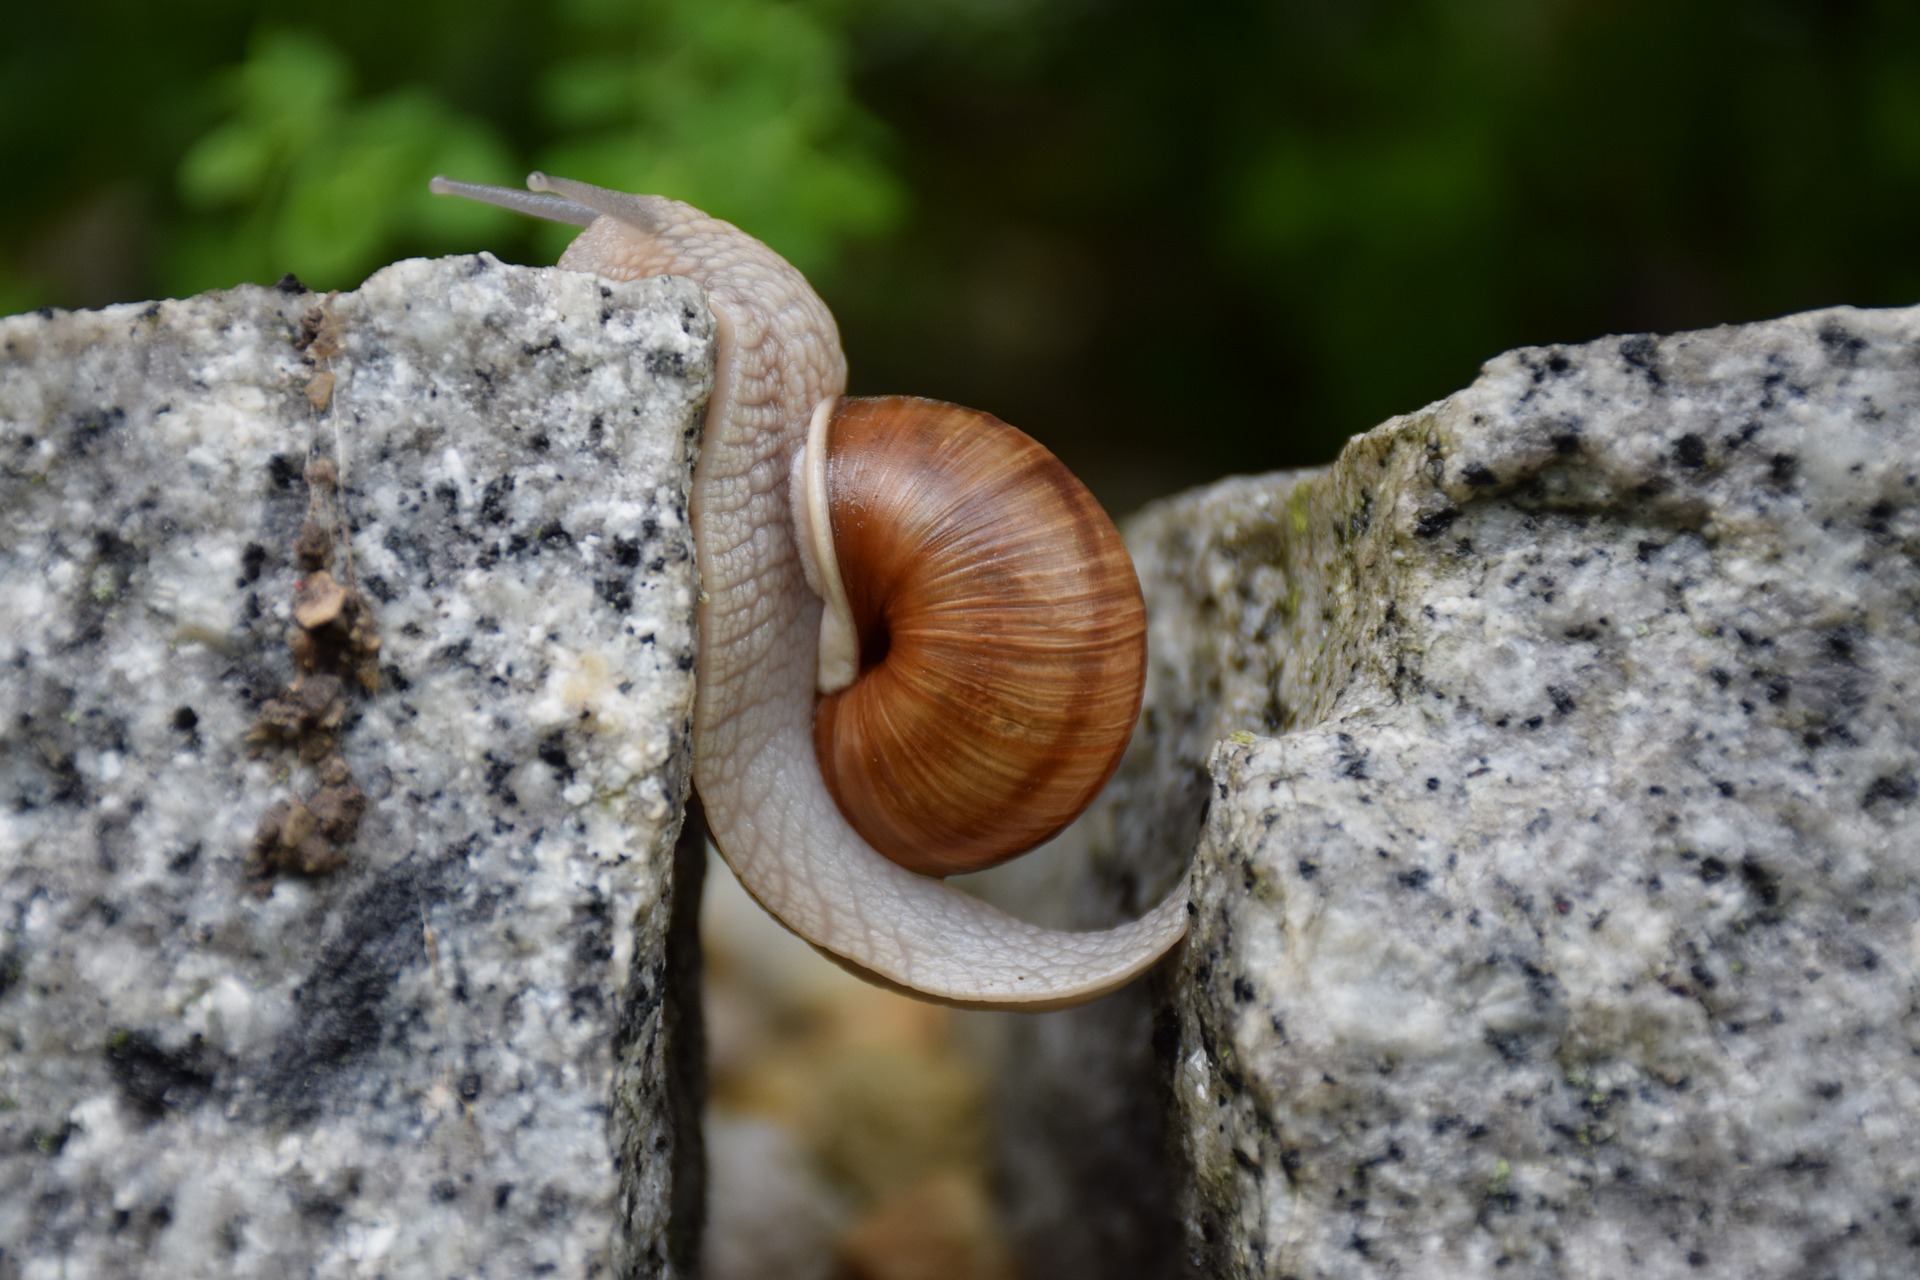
(768, 805)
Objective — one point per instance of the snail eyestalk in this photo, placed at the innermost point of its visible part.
(550, 208)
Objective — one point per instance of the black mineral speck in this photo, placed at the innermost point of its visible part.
(12, 965)
(1761, 883)
(153, 1079)
(1435, 523)
(493, 500)
(90, 427)
(290, 283)
(593, 931)
(1690, 451)
(1353, 759)
(553, 753)
(1642, 352)
(1895, 788)
(1841, 343)
(252, 559)
(586, 1000)
(186, 719)
(51, 1142)
(498, 771)
(283, 469)
(1510, 1047)
(617, 592)
(1480, 476)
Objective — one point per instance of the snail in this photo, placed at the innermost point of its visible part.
(846, 548)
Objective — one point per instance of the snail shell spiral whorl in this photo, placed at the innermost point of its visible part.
(1001, 631)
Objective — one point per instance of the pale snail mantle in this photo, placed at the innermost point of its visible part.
(764, 535)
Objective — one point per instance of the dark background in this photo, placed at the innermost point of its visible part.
(1172, 241)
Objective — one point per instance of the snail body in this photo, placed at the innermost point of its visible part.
(801, 506)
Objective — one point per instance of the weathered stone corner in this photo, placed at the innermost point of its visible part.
(347, 647)
(1559, 879)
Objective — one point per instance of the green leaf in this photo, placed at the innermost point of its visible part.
(319, 183)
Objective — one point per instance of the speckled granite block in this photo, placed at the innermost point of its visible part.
(239, 1035)
(1558, 896)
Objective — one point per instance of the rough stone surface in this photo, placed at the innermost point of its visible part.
(1558, 898)
(1076, 1106)
(435, 1045)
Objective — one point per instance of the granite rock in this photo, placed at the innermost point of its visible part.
(347, 651)
(1558, 891)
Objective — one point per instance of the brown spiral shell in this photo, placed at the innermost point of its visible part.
(1002, 636)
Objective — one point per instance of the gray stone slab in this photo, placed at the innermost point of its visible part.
(239, 1034)
(1558, 889)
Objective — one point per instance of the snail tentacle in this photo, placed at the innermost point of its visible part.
(548, 207)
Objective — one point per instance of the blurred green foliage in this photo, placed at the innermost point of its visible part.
(301, 171)
(307, 147)
(1170, 240)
